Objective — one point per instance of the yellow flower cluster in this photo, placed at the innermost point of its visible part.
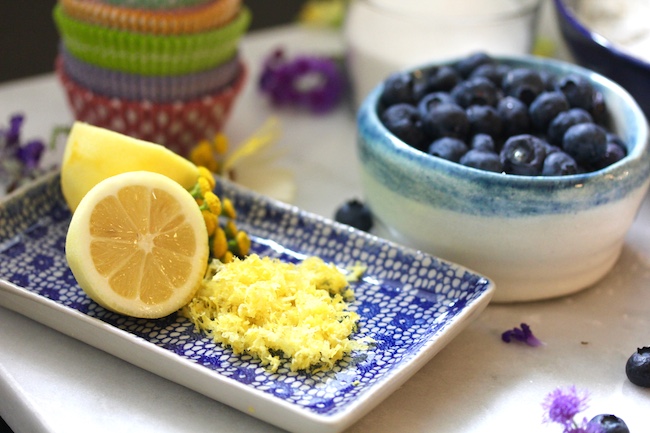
(226, 240)
(209, 153)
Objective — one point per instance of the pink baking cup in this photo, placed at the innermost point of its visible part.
(179, 126)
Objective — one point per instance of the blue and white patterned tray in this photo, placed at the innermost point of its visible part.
(410, 303)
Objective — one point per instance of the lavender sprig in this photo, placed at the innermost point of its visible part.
(19, 162)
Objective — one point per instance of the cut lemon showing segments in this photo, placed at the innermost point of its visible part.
(93, 154)
(137, 244)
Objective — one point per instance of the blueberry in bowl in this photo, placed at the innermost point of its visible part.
(539, 202)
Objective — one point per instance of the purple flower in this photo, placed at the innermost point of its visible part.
(563, 404)
(312, 82)
(30, 154)
(19, 162)
(523, 334)
(12, 135)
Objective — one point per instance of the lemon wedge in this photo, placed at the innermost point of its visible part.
(93, 153)
(137, 244)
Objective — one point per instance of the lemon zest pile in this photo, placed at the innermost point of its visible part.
(278, 311)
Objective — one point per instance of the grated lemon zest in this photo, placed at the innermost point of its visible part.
(278, 311)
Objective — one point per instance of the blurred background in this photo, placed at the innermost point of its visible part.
(28, 37)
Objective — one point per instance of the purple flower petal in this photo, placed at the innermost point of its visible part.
(13, 133)
(523, 334)
(30, 154)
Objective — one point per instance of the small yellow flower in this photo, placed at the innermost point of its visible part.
(228, 257)
(202, 155)
(220, 143)
(219, 243)
(231, 229)
(243, 243)
(211, 221)
(204, 172)
(204, 186)
(213, 203)
(228, 209)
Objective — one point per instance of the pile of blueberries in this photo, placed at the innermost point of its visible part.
(507, 119)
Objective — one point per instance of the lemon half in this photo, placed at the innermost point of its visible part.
(93, 153)
(137, 244)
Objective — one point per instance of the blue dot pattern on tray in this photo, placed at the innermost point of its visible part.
(405, 298)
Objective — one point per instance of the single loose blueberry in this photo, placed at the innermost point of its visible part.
(483, 142)
(398, 89)
(405, 122)
(609, 424)
(448, 148)
(637, 367)
(434, 98)
(484, 119)
(545, 108)
(475, 91)
(482, 160)
(515, 119)
(468, 64)
(445, 120)
(559, 163)
(523, 154)
(356, 214)
(563, 121)
(585, 142)
(524, 84)
(578, 91)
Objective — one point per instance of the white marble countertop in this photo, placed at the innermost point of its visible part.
(51, 383)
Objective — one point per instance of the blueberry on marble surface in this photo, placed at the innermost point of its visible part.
(356, 214)
(609, 424)
(637, 367)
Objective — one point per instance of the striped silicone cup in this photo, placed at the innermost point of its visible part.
(167, 88)
(206, 17)
(155, 4)
(178, 125)
(148, 54)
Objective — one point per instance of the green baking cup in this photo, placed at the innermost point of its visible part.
(149, 54)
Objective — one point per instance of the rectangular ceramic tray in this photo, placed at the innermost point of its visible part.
(410, 303)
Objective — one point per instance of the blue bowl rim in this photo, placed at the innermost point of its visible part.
(639, 150)
(596, 37)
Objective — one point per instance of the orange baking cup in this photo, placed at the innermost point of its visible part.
(179, 126)
(178, 21)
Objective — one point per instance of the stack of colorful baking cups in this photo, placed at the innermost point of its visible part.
(165, 71)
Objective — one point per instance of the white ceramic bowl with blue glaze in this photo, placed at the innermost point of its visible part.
(535, 237)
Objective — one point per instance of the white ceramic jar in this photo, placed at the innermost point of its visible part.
(384, 36)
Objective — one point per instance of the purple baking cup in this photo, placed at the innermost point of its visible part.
(168, 88)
